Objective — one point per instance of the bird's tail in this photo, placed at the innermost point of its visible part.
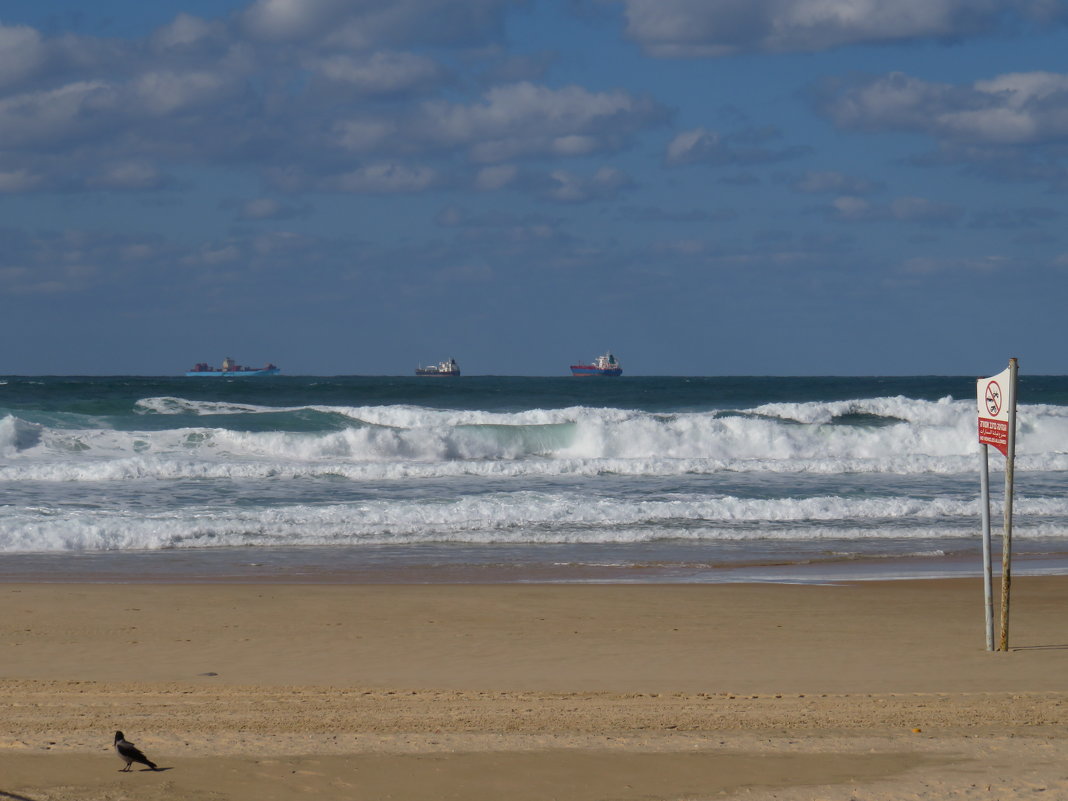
(151, 764)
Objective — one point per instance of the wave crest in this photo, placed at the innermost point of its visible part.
(896, 435)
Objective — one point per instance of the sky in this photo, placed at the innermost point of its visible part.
(703, 187)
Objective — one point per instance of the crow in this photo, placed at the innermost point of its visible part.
(130, 753)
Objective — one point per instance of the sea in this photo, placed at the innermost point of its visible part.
(518, 479)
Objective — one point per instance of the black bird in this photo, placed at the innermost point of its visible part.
(130, 753)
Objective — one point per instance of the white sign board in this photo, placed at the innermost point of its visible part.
(994, 397)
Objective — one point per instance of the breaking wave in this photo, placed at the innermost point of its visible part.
(166, 472)
(522, 517)
(894, 435)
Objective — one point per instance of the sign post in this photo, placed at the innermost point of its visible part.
(996, 398)
(984, 508)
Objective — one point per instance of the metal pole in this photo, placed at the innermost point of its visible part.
(1006, 542)
(984, 506)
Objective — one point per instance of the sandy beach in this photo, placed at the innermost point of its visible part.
(880, 690)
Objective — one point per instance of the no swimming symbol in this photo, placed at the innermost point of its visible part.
(993, 398)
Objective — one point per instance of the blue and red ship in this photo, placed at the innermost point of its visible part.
(602, 365)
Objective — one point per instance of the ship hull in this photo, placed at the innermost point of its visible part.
(589, 369)
(230, 373)
(438, 372)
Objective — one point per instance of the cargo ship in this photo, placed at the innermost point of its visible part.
(449, 367)
(231, 369)
(602, 365)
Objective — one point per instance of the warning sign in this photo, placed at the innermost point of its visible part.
(994, 397)
(994, 432)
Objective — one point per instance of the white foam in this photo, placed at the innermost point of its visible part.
(514, 518)
(171, 405)
(547, 450)
(944, 412)
(402, 441)
(17, 435)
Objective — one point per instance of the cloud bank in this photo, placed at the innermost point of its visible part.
(716, 28)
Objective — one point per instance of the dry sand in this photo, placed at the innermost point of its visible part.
(859, 691)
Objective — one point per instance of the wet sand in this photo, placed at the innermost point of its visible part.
(880, 690)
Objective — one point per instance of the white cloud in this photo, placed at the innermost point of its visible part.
(451, 216)
(569, 187)
(212, 256)
(28, 58)
(702, 146)
(712, 28)
(1013, 218)
(1012, 109)
(524, 119)
(186, 31)
(510, 122)
(280, 243)
(852, 208)
(386, 178)
(927, 265)
(199, 92)
(688, 147)
(496, 177)
(65, 261)
(21, 281)
(849, 208)
(261, 208)
(497, 225)
(20, 180)
(137, 252)
(81, 110)
(468, 272)
(268, 208)
(816, 182)
(574, 145)
(923, 210)
(167, 92)
(39, 118)
(22, 52)
(380, 73)
(289, 20)
(128, 175)
(896, 100)
(363, 135)
(362, 24)
(683, 247)
(1020, 88)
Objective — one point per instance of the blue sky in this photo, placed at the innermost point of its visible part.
(705, 187)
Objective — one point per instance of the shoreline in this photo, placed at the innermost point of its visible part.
(880, 690)
(312, 565)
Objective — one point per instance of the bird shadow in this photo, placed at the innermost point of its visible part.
(1039, 648)
(15, 796)
(144, 770)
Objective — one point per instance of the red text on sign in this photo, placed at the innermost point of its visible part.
(994, 432)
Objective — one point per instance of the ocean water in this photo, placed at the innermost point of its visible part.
(516, 479)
